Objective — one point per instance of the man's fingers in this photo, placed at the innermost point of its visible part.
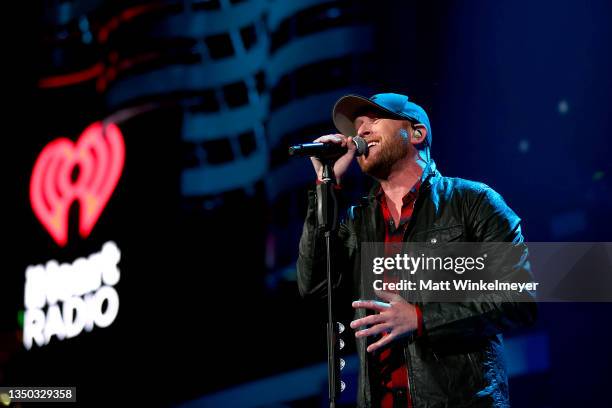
(367, 321)
(388, 296)
(374, 330)
(350, 144)
(381, 343)
(337, 138)
(371, 304)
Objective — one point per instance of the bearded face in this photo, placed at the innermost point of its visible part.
(387, 144)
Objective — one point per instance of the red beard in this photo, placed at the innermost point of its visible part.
(382, 157)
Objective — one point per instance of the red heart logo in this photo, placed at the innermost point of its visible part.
(99, 155)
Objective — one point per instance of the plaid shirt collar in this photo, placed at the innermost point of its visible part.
(410, 197)
(407, 207)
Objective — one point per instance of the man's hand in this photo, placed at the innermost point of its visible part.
(343, 162)
(397, 317)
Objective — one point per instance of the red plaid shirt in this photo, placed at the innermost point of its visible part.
(394, 371)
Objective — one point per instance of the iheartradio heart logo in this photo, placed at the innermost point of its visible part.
(99, 156)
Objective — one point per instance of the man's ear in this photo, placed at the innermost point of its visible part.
(419, 134)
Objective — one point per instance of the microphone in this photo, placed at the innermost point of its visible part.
(328, 150)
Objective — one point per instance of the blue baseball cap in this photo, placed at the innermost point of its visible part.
(391, 105)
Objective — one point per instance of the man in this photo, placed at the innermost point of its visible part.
(429, 354)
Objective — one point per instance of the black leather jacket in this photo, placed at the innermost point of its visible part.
(458, 361)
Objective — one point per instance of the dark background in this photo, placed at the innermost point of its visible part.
(208, 214)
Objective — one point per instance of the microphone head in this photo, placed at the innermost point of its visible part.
(362, 146)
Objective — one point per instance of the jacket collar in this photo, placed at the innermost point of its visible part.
(375, 227)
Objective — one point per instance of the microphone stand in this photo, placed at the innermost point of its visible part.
(327, 214)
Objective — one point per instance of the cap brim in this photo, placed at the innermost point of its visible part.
(349, 107)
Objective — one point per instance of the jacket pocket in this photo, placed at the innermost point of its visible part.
(435, 237)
